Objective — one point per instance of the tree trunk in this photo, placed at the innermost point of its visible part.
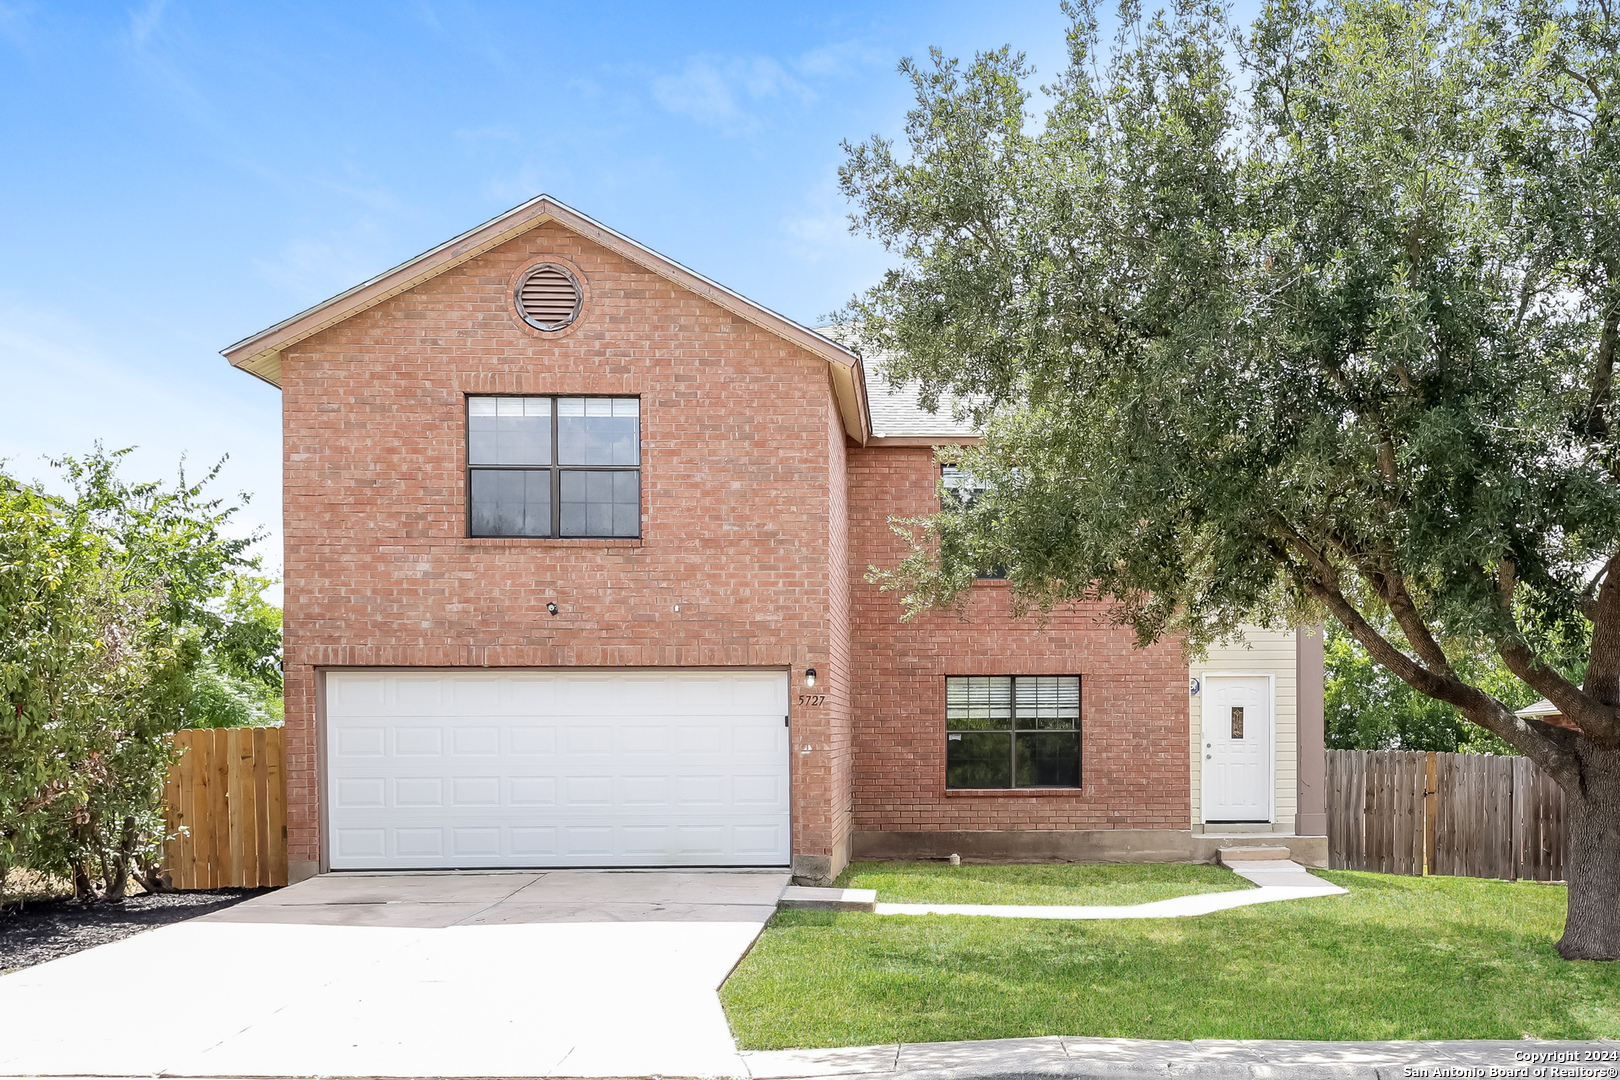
(154, 879)
(84, 890)
(118, 878)
(1592, 866)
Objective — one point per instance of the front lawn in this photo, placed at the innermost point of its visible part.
(1061, 883)
(1398, 958)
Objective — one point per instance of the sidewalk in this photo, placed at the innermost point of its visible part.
(1071, 1058)
(1274, 880)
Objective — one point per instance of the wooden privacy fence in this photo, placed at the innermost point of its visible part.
(226, 803)
(1466, 815)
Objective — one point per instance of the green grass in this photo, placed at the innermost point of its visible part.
(1398, 958)
(1071, 883)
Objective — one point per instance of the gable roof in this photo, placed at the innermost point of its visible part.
(260, 354)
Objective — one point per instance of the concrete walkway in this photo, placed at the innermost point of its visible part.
(565, 973)
(1069, 1058)
(1277, 880)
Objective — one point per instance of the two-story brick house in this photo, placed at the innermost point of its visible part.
(576, 545)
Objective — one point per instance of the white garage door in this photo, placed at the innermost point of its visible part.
(557, 768)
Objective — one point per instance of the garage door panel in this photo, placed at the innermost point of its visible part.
(557, 768)
(359, 844)
(540, 739)
(361, 742)
(418, 740)
(418, 791)
(534, 790)
(360, 791)
(358, 695)
(535, 842)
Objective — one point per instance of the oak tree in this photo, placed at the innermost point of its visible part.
(1317, 315)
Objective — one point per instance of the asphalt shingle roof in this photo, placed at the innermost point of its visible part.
(897, 411)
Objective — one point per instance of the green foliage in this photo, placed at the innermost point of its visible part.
(126, 613)
(1328, 331)
(1367, 708)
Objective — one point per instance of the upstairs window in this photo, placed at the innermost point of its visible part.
(960, 485)
(960, 489)
(1004, 731)
(554, 466)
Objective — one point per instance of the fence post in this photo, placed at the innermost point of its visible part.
(1431, 809)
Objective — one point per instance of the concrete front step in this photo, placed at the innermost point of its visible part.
(811, 899)
(1229, 855)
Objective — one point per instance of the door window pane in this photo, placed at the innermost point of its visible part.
(1237, 721)
(598, 431)
(978, 759)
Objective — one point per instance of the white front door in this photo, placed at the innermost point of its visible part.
(1236, 745)
(547, 767)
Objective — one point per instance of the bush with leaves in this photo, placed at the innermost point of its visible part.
(126, 613)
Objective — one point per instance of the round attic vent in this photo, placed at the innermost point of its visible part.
(548, 297)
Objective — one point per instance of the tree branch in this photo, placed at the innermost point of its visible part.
(1598, 719)
(1538, 741)
(1417, 631)
(1597, 423)
(1541, 742)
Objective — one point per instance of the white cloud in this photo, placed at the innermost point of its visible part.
(840, 60)
(314, 268)
(13, 16)
(723, 93)
(732, 94)
(495, 133)
(819, 228)
(144, 21)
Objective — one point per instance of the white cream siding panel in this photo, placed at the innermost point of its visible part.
(1261, 652)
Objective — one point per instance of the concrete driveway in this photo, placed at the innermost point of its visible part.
(561, 973)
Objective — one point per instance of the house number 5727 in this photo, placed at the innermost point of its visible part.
(812, 699)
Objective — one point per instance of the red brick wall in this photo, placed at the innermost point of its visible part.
(740, 502)
(1133, 702)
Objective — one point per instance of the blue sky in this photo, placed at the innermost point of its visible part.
(176, 176)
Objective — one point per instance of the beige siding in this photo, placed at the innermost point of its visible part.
(1262, 652)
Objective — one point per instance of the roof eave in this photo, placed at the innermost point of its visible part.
(260, 354)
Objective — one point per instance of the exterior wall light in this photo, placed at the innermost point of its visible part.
(809, 676)
(552, 607)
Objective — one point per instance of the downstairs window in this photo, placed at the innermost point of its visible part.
(1007, 731)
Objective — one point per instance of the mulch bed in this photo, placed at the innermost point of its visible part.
(38, 930)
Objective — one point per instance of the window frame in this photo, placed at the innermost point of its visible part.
(1013, 730)
(555, 469)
